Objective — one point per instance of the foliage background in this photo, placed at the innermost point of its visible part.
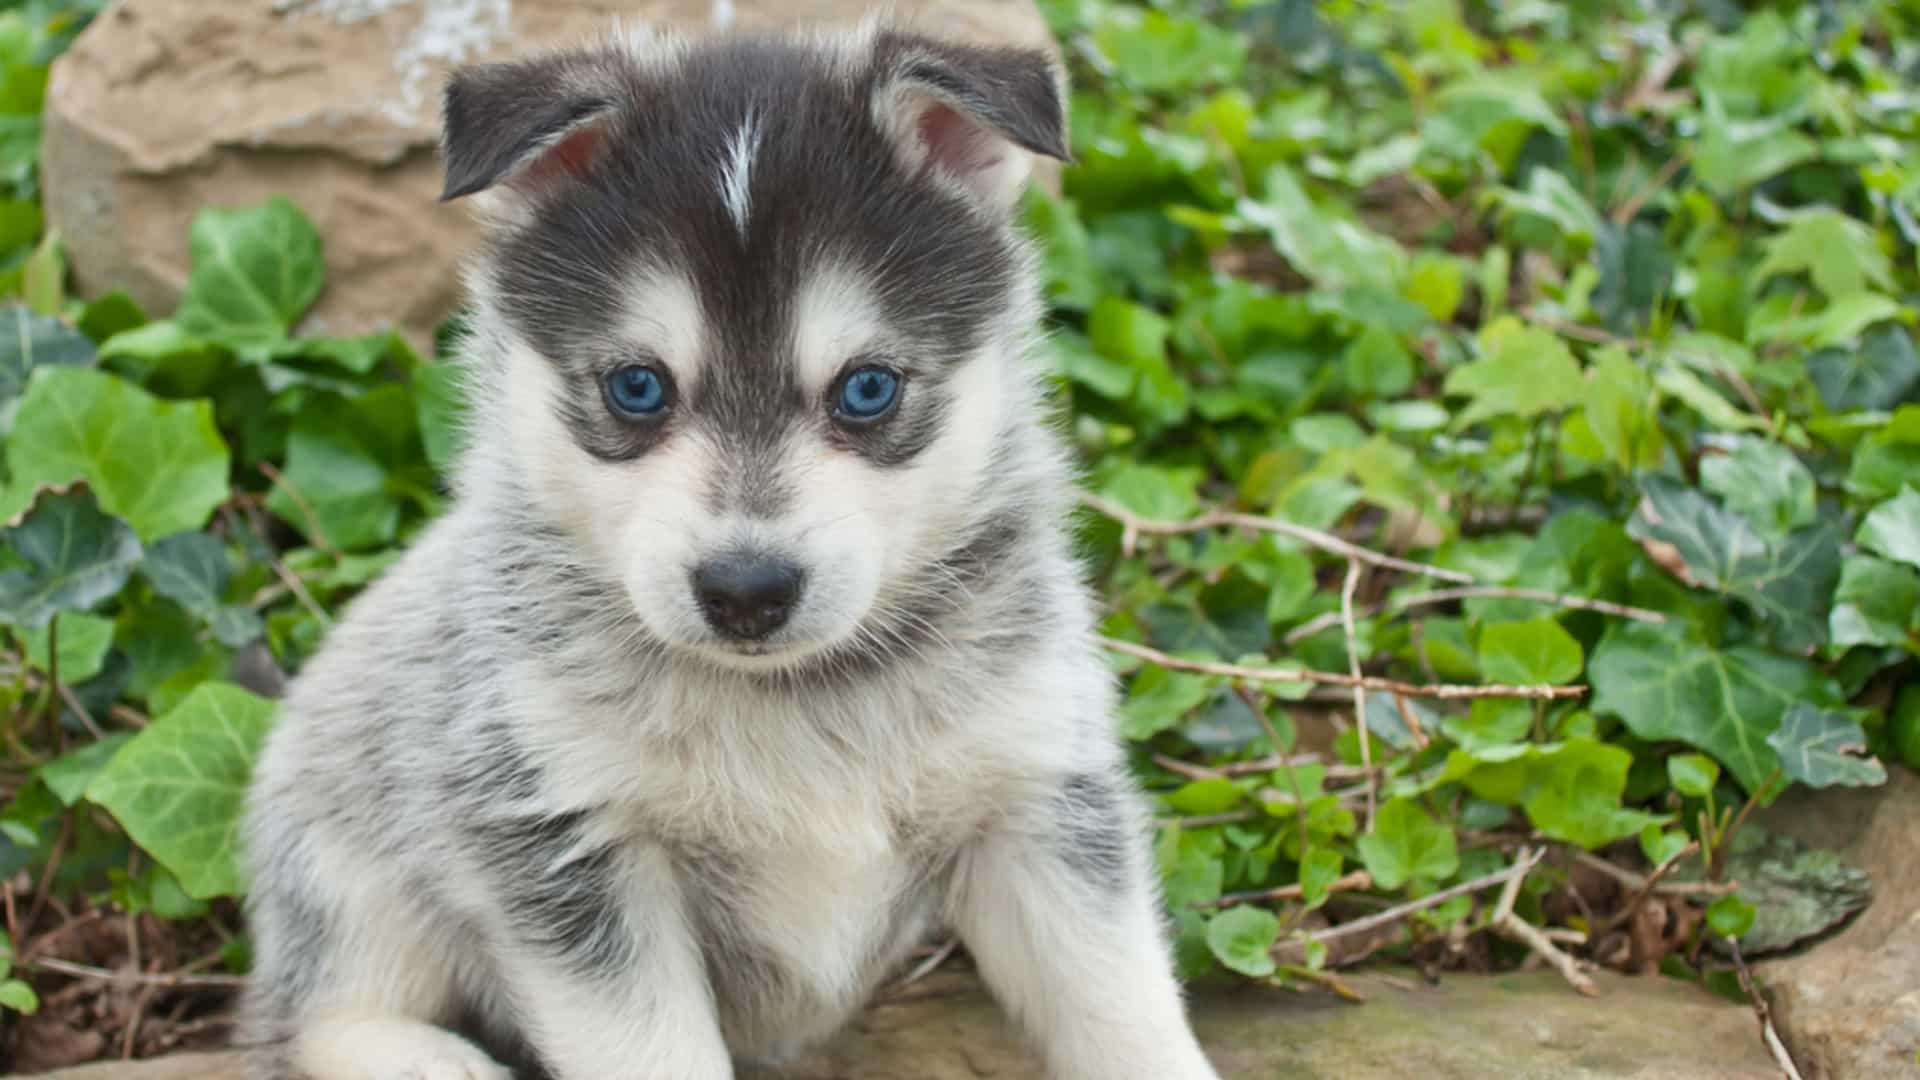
(1602, 301)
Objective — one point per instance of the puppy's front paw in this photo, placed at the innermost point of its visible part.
(391, 1049)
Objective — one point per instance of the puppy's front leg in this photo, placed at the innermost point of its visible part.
(607, 974)
(1058, 906)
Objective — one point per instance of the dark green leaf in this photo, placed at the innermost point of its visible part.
(1877, 603)
(28, 341)
(1879, 373)
(1663, 685)
(76, 557)
(1893, 528)
(1823, 749)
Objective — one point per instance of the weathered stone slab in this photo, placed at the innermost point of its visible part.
(1849, 1009)
(167, 106)
(1518, 1027)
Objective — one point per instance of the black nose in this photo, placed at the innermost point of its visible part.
(746, 597)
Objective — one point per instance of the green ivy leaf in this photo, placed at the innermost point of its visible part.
(159, 465)
(1879, 373)
(83, 644)
(76, 557)
(1159, 699)
(1242, 938)
(1839, 254)
(19, 997)
(1893, 528)
(1764, 482)
(1620, 410)
(1693, 775)
(1377, 363)
(1730, 916)
(1571, 790)
(1407, 844)
(1821, 749)
(1877, 603)
(68, 775)
(1663, 685)
(256, 270)
(1787, 581)
(1319, 868)
(180, 785)
(1536, 652)
(1523, 371)
(28, 341)
(191, 569)
(1210, 796)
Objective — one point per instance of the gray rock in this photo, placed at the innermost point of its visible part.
(166, 106)
(1849, 1008)
(1521, 1027)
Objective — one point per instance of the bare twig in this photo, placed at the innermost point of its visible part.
(1133, 525)
(1394, 914)
(1280, 761)
(1768, 1033)
(1347, 590)
(1359, 879)
(1477, 592)
(1186, 769)
(1513, 928)
(1652, 882)
(299, 589)
(1665, 888)
(1281, 675)
(135, 978)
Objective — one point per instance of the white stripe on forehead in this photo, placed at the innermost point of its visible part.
(835, 319)
(736, 172)
(662, 316)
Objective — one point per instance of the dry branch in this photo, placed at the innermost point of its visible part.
(1447, 691)
(1133, 525)
(1394, 914)
(135, 978)
(1359, 879)
(1513, 928)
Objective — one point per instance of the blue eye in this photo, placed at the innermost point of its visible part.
(636, 392)
(868, 392)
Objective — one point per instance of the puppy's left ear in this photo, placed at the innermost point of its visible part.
(526, 127)
(970, 116)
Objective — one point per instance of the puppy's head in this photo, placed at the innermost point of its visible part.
(757, 311)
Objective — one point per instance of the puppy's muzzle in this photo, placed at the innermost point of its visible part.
(746, 597)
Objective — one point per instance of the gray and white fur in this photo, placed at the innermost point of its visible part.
(662, 748)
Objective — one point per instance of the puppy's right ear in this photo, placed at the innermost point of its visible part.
(525, 125)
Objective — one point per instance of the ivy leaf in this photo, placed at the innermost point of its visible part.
(18, 996)
(1619, 403)
(180, 785)
(1879, 373)
(1893, 528)
(1575, 791)
(256, 270)
(68, 775)
(83, 643)
(28, 341)
(1319, 868)
(1839, 254)
(1407, 844)
(1730, 916)
(76, 557)
(1663, 685)
(1821, 749)
(1159, 699)
(1536, 652)
(1788, 582)
(1877, 603)
(1376, 363)
(159, 465)
(191, 569)
(1242, 939)
(1693, 775)
(1523, 371)
(1764, 482)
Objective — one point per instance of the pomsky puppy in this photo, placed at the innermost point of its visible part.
(752, 648)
